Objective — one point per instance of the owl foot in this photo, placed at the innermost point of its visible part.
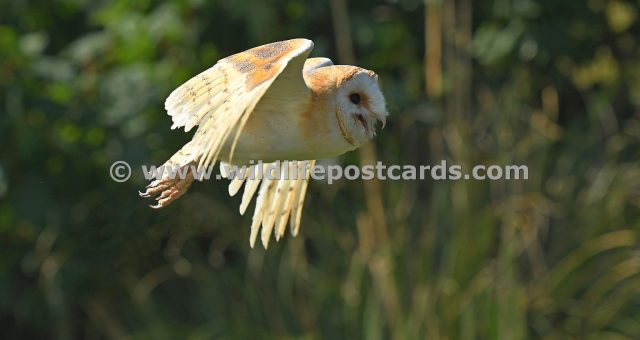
(167, 189)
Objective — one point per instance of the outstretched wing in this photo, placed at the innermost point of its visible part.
(221, 99)
(279, 200)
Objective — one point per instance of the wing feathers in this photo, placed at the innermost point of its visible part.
(249, 190)
(296, 210)
(263, 199)
(279, 197)
(184, 104)
(283, 215)
(249, 70)
(220, 101)
(278, 201)
(235, 186)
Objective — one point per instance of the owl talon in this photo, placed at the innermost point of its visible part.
(167, 190)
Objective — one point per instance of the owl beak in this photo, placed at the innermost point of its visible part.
(382, 118)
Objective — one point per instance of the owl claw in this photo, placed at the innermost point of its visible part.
(167, 189)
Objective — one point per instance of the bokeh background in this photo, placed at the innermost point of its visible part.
(551, 84)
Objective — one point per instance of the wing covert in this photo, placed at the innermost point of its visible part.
(221, 99)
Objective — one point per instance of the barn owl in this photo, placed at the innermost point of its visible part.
(270, 103)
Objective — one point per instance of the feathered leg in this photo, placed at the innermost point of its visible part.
(177, 176)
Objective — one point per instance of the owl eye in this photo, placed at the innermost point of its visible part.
(355, 98)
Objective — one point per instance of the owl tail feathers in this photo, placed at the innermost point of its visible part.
(173, 178)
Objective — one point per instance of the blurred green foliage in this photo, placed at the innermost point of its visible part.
(551, 84)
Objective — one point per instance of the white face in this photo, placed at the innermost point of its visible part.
(360, 106)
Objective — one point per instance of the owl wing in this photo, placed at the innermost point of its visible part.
(279, 201)
(221, 99)
(314, 63)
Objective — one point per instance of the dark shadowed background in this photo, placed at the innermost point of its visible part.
(554, 85)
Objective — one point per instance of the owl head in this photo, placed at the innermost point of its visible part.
(360, 104)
